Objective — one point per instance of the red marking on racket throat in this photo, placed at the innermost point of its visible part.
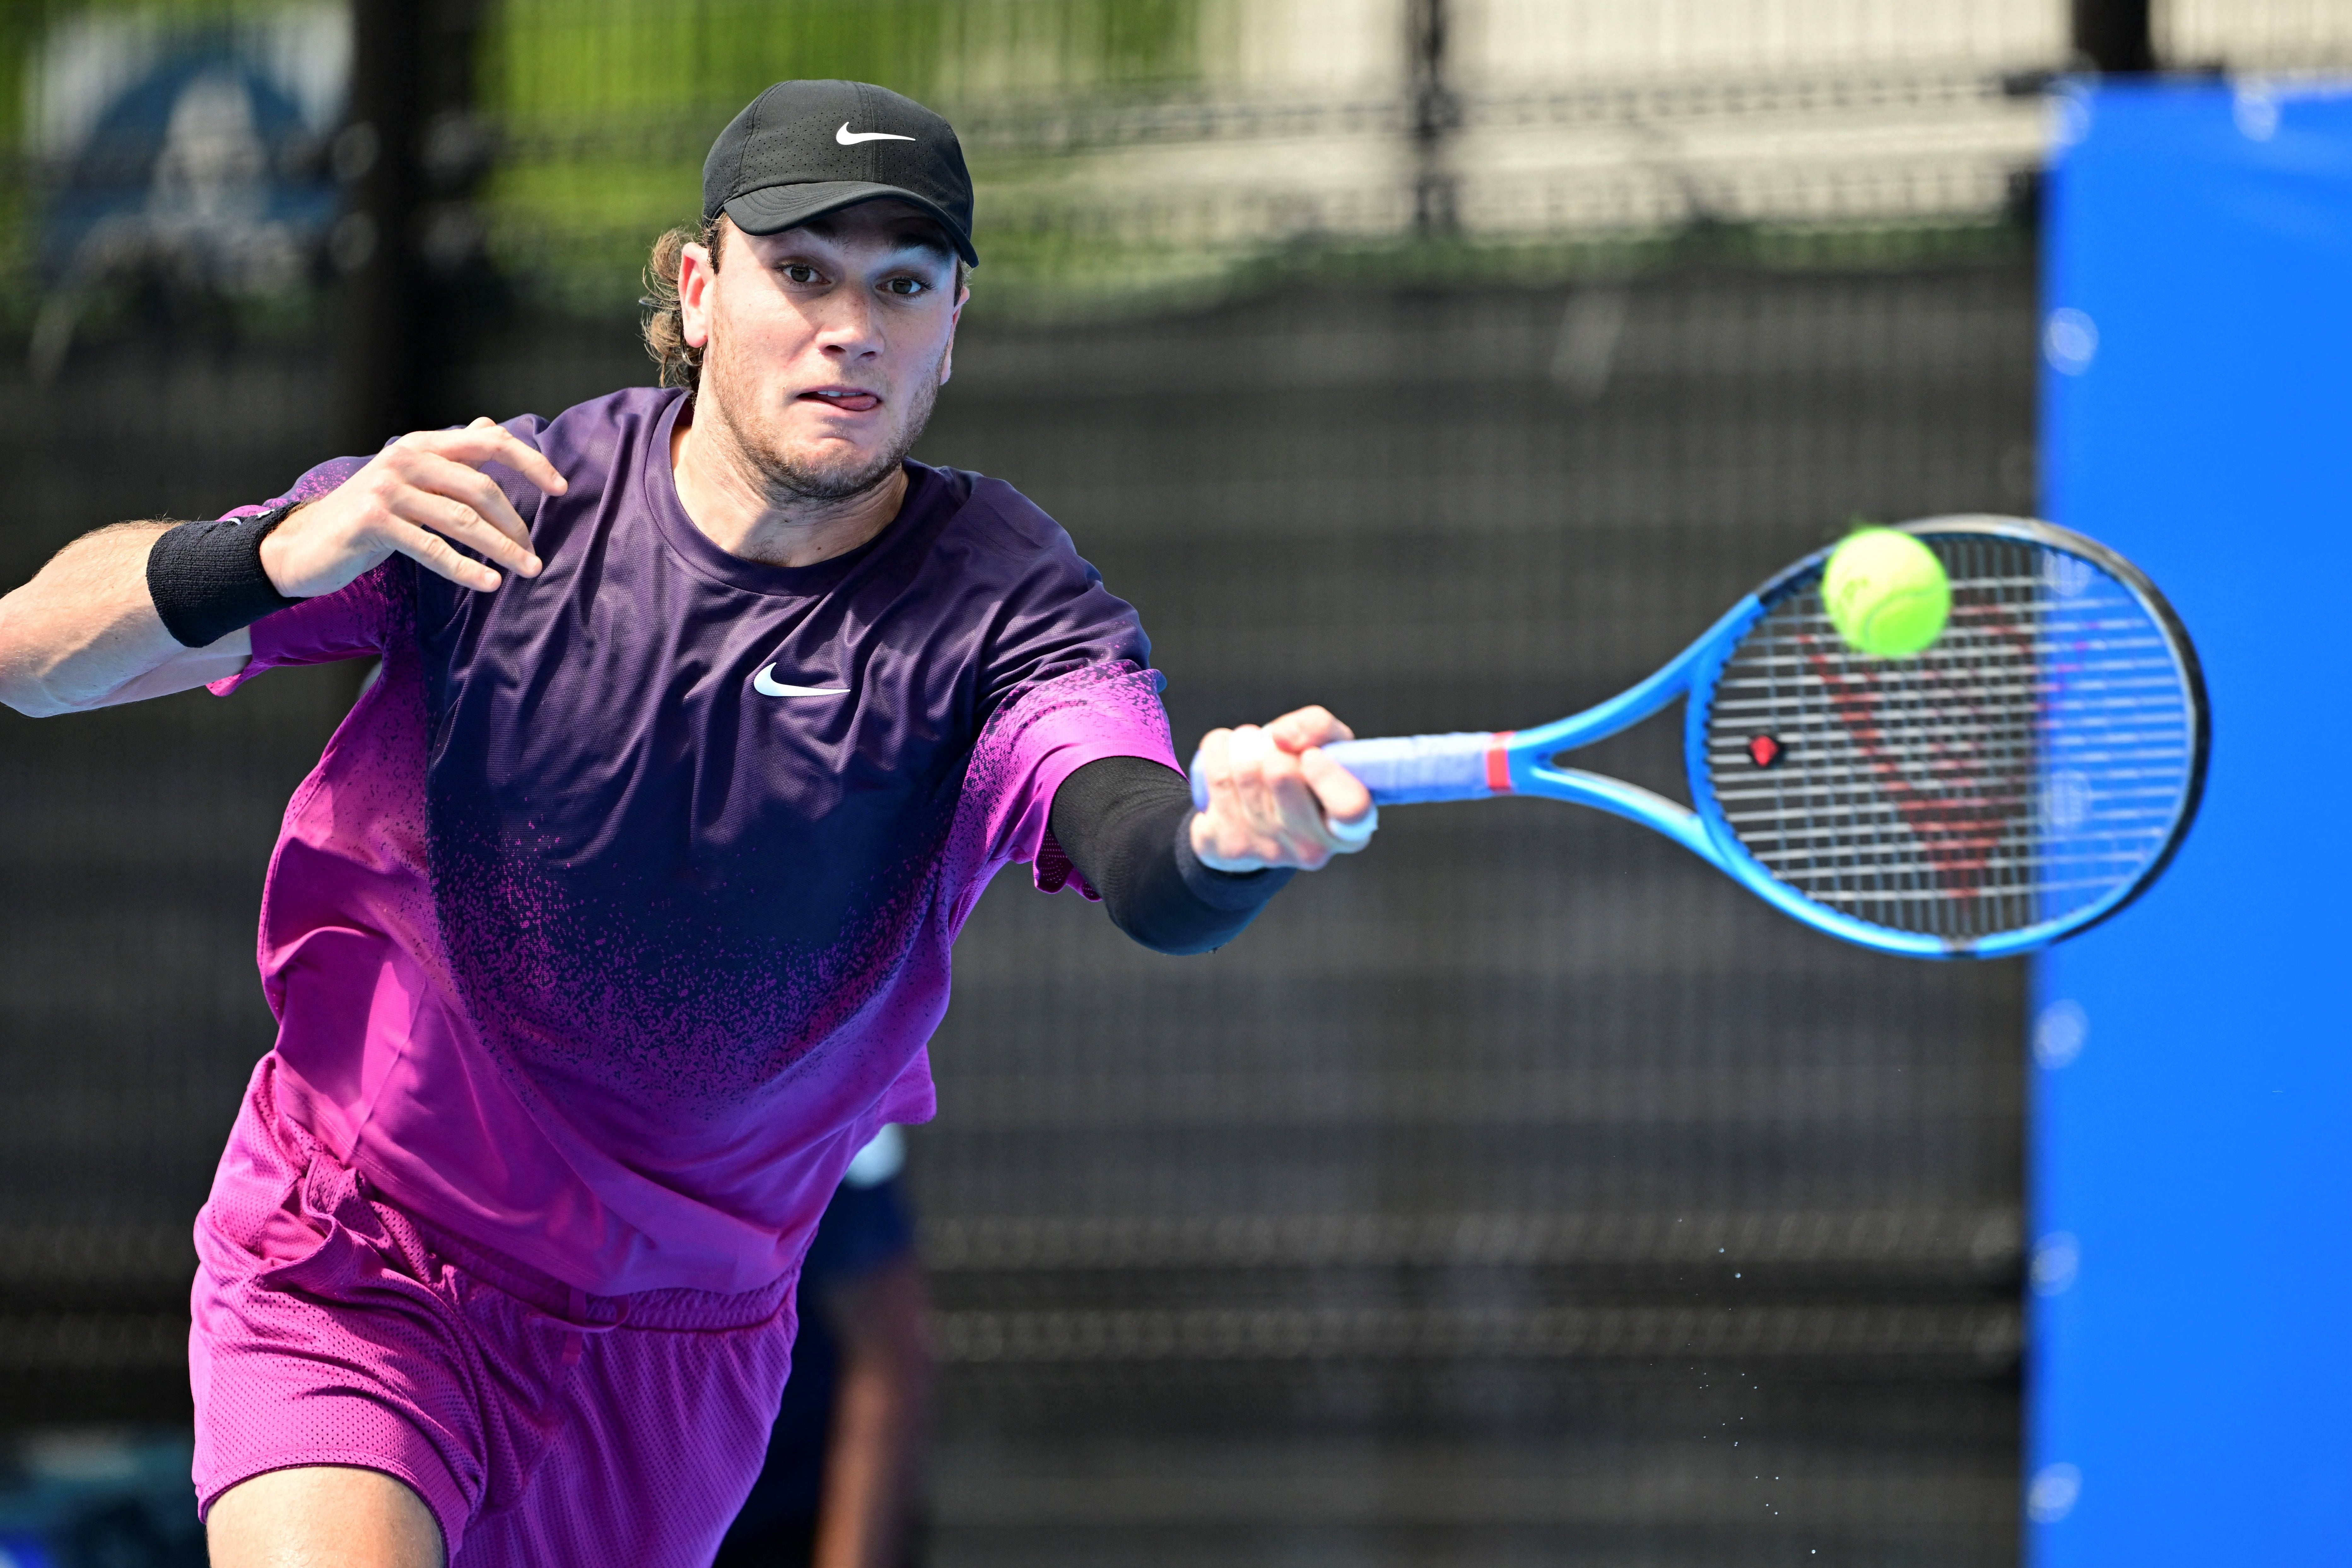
(1498, 762)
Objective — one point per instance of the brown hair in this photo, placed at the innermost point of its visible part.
(665, 326)
(680, 361)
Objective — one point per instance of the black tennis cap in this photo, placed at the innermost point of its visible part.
(804, 148)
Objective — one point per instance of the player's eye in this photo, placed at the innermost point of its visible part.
(800, 272)
(905, 287)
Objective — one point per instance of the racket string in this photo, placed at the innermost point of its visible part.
(2029, 763)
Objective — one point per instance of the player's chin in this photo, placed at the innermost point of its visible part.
(838, 466)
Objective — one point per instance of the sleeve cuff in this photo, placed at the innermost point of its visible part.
(206, 579)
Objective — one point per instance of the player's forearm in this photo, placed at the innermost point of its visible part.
(85, 633)
(1122, 820)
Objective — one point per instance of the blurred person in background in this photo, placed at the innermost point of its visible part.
(617, 915)
(840, 1489)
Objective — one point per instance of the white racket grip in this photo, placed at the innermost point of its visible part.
(1404, 769)
(1409, 768)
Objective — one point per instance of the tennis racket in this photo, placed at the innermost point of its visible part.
(2023, 778)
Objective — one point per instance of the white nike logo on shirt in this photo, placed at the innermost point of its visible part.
(766, 687)
(849, 138)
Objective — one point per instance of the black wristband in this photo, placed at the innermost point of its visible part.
(207, 577)
(1124, 822)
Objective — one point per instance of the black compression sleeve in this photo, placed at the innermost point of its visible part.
(1125, 823)
(206, 579)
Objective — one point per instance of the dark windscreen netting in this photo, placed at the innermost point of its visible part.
(1474, 1204)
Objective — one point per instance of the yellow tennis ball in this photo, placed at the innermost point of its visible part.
(1886, 594)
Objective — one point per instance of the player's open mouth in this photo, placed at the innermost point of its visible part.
(849, 399)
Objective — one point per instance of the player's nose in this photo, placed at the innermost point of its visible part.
(849, 328)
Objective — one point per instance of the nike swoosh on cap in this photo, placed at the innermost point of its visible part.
(849, 138)
(767, 687)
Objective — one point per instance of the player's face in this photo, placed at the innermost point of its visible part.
(825, 346)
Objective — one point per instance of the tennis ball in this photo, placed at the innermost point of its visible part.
(1886, 594)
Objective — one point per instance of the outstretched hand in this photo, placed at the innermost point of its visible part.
(1275, 799)
(415, 497)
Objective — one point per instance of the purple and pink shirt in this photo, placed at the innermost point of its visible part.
(587, 946)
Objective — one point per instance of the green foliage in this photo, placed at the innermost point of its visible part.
(609, 105)
(556, 61)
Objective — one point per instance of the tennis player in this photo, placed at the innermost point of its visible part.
(617, 914)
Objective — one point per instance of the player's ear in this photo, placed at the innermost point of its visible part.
(698, 274)
(955, 314)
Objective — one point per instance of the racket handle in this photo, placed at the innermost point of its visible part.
(1407, 769)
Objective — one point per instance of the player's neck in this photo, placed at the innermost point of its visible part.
(727, 501)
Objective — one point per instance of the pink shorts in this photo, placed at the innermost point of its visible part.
(542, 1425)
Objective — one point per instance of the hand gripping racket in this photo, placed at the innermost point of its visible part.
(2023, 778)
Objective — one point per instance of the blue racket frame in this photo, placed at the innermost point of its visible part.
(1704, 832)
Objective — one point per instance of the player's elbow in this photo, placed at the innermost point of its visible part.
(33, 705)
(26, 685)
(33, 698)
(22, 686)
